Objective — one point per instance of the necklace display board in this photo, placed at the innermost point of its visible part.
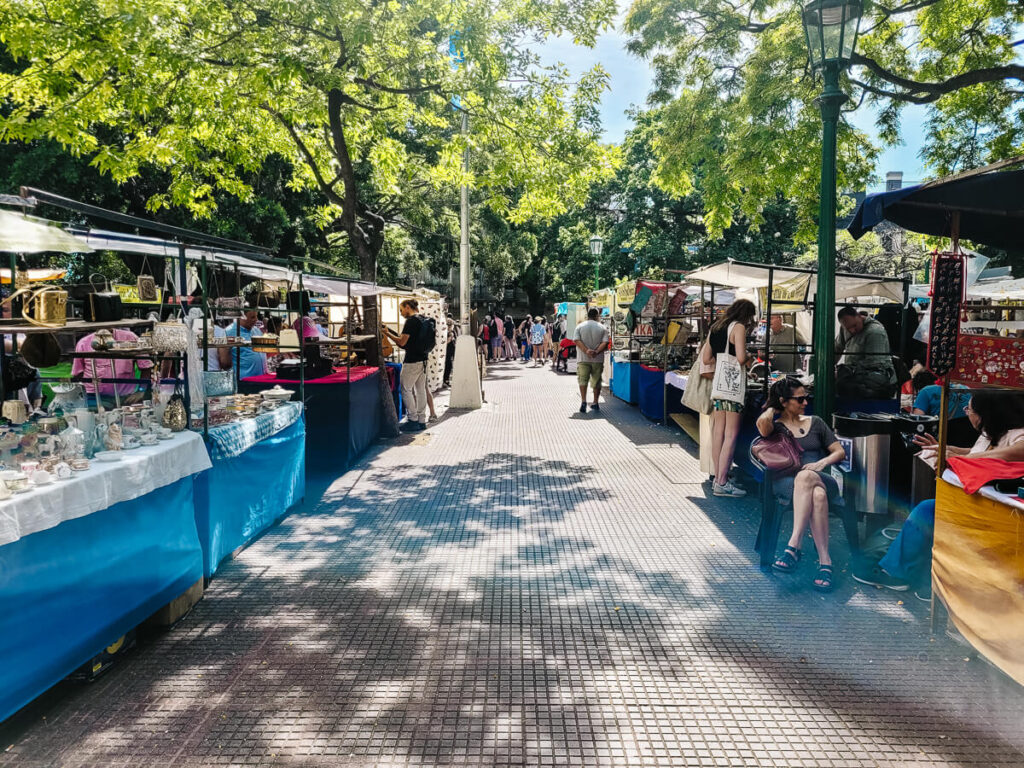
(947, 298)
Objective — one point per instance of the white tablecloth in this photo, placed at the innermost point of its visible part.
(103, 485)
(676, 379)
(986, 490)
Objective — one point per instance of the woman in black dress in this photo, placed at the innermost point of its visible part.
(812, 488)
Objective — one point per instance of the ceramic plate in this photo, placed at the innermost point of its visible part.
(108, 456)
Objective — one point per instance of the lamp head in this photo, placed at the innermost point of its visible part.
(596, 245)
(830, 27)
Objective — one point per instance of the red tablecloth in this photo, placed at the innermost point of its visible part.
(358, 373)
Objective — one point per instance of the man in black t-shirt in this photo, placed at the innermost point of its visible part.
(414, 366)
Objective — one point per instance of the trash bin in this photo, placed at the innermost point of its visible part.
(866, 438)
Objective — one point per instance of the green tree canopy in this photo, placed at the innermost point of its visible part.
(356, 97)
(735, 80)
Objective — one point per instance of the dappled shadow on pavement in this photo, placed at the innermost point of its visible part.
(514, 609)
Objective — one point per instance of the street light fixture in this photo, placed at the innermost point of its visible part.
(830, 28)
(596, 246)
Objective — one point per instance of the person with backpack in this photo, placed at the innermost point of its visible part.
(418, 337)
(485, 336)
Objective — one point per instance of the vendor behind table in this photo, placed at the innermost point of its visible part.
(864, 366)
(785, 344)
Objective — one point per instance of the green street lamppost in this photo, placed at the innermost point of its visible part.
(831, 28)
(596, 246)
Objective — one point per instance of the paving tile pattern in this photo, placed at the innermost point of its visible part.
(524, 585)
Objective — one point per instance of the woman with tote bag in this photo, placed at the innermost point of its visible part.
(726, 347)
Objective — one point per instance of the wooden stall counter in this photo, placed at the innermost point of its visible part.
(978, 570)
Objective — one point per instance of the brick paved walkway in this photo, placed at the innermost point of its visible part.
(526, 586)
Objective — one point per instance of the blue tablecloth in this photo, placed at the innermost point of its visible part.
(626, 381)
(68, 592)
(234, 439)
(342, 419)
(651, 392)
(242, 496)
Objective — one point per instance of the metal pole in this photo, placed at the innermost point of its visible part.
(464, 271)
(825, 297)
(768, 333)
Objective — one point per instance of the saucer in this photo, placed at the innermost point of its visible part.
(108, 456)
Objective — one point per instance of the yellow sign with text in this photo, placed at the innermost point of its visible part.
(130, 294)
(789, 294)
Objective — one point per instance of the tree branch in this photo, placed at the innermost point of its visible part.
(369, 82)
(326, 188)
(917, 92)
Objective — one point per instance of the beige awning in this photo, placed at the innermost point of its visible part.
(26, 234)
(734, 274)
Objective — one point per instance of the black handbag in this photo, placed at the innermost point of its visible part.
(102, 306)
(17, 374)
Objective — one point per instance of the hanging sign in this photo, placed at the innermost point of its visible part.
(787, 294)
(130, 294)
(947, 297)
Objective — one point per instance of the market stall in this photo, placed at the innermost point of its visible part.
(978, 550)
(342, 414)
(258, 473)
(788, 291)
(85, 560)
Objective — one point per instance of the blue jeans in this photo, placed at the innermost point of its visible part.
(910, 556)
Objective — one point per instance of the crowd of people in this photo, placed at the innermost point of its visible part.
(531, 339)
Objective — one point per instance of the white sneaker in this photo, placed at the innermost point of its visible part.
(727, 490)
(735, 489)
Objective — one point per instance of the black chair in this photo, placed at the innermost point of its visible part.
(772, 514)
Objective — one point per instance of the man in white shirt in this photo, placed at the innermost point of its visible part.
(591, 339)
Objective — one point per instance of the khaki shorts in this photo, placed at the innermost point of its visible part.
(589, 372)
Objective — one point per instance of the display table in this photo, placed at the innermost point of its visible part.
(80, 574)
(626, 381)
(258, 473)
(651, 392)
(103, 485)
(342, 415)
(978, 570)
(676, 379)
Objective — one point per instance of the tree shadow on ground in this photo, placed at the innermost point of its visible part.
(485, 613)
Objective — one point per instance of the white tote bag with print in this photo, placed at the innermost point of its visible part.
(730, 382)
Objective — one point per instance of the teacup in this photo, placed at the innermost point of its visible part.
(42, 477)
(17, 481)
(148, 439)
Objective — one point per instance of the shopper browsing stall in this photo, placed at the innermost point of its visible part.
(251, 362)
(414, 340)
(89, 369)
(592, 340)
(726, 343)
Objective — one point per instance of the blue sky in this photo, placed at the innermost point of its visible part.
(631, 80)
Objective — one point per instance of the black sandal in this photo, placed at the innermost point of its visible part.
(787, 560)
(824, 576)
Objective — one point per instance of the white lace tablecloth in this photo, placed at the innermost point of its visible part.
(676, 379)
(103, 485)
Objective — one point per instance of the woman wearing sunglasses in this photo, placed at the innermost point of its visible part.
(812, 488)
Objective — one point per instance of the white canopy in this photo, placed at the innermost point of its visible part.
(27, 234)
(273, 274)
(734, 274)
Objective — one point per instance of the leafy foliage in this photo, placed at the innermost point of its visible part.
(739, 98)
(357, 98)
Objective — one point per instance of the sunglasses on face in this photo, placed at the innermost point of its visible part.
(802, 399)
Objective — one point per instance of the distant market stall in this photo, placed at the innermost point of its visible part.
(978, 551)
